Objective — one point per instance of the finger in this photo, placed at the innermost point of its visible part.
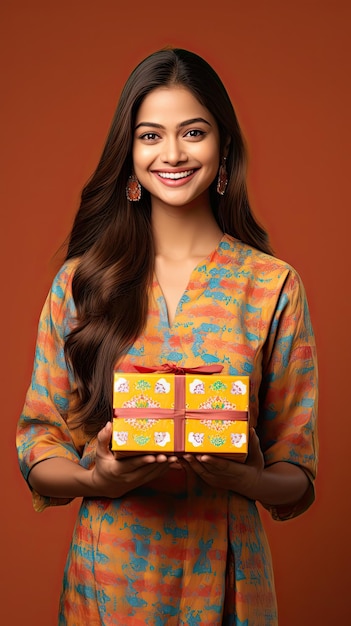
(254, 445)
(129, 464)
(172, 459)
(253, 435)
(146, 474)
(174, 463)
(104, 439)
(210, 462)
(194, 467)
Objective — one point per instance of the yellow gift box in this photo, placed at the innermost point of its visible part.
(177, 413)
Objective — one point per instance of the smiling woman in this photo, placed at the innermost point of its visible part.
(167, 264)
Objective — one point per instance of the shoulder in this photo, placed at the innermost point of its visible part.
(63, 279)
(260, 278)
(257, 266)
(60, 299)
(251, 259)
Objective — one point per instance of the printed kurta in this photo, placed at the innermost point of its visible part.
(176, 551)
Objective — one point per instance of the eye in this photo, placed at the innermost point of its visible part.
(149, 136)
(195, 133)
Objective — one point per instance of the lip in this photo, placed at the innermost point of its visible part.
(187, 174)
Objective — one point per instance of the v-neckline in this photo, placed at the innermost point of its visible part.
(158, 292)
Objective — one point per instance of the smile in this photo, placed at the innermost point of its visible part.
(175, 175)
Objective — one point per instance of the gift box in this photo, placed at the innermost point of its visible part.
(176, 413)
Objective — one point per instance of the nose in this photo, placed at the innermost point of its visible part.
(173, 152)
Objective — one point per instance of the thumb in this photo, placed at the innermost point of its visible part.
(255, 456)
(253, 435)
(104, 438)
(254, 445)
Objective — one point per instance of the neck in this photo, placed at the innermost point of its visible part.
(183, 232)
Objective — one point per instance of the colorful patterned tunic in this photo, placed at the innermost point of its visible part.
(176, 551)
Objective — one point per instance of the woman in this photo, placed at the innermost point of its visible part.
(166, 263)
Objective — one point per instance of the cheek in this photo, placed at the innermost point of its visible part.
(142, 157)
(209, 155)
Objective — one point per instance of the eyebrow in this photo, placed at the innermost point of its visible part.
(194, 120)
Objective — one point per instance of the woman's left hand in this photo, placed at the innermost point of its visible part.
(244, 478)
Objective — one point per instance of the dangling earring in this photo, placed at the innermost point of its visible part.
(133, 189)
(222, 178)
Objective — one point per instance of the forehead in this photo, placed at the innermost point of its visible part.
(171, 105)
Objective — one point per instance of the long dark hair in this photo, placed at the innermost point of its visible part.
(113, 240)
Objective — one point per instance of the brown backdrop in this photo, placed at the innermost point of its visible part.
(287, 68)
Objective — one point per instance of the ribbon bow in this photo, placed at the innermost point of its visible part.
(172, 368)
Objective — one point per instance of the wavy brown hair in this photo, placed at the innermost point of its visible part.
(113, 240)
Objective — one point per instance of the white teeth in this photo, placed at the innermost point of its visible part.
(175, 175)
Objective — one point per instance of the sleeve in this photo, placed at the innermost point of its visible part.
(288, 392)
(43, 429)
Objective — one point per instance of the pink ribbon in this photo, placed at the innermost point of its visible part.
(179, 415)
(172, 368)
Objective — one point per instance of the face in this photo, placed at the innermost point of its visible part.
(176, 148)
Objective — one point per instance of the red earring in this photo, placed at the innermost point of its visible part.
(222, 181)
(133, 189)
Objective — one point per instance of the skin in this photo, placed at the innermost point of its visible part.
(184, 228)
(174, 134)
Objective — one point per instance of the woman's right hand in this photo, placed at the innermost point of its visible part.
(60, 477)
(112, 478)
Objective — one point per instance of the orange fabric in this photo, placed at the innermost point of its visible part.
(176, 551)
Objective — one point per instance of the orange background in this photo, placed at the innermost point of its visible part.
(286, 65)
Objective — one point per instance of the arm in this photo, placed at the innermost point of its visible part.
(58, 461)
(287, 424)
(280, 484)
(62, 478)
(43, 430)
(282, 457)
